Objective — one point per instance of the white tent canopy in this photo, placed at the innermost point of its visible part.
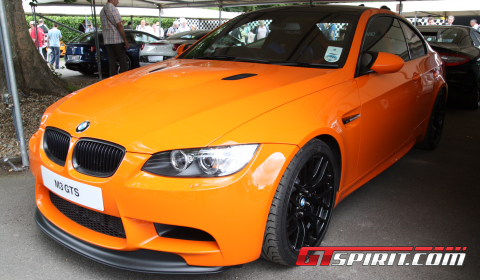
(426, 8)
(188, 3)
(81, 10)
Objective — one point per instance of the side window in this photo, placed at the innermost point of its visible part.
(384, 34)
(476, 38)
(130, 38)
(415, 44)
(142, 38)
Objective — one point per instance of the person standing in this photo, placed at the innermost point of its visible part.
(53, 43)
(450, 20)
(261, 31)
(114, 37)
(45, 31)
(142, 26)
(82, 27)
(183, 27)
(90, 27)
(148, 28)
(431, 21)
(332, 30)
(34, 35)
(129, 26)
(474, 24)
(172, 29)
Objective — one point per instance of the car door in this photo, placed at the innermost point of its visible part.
(388, 113)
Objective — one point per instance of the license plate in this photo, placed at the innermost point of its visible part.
(155, 58)
(77, 192)
(74, 57)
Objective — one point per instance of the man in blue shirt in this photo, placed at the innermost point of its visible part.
(332, 29)
(54, 36)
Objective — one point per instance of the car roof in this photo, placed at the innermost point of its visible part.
(320, 8)
(435, 27)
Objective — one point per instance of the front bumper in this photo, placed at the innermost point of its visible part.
(139, 261)
(233, 209)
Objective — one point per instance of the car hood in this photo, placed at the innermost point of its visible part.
(184, 103)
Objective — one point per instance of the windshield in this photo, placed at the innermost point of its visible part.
(292, 38)
(189, 35)
(447, 35)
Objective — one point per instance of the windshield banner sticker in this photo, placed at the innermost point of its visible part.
(333, 54)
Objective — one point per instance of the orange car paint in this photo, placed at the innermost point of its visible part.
(321, 98)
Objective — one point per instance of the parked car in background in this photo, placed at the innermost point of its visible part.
(81, 52)
(166, 49)
(459, 47)
(63, 49)
(233, 151)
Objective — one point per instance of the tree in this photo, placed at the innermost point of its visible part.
(31, 70)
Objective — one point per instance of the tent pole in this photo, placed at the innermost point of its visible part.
(219, 15)
(415, 23)
(13, 82)
(159, 19)
(97, 46)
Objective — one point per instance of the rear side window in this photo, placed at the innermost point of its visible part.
(476, 38)
(384, 34)
(415, 44)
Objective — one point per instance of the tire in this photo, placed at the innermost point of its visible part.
(303, 203)
(435, 124)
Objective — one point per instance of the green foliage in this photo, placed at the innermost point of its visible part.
(75, 21)
(71, 87)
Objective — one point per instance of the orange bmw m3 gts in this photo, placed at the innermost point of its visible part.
(241, 146)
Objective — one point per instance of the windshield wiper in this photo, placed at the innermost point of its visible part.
(306, 64)
(233, 58)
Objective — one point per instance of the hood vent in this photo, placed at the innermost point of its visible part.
(239, 76)
(158, 69)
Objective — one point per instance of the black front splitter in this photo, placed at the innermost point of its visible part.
(146, 261)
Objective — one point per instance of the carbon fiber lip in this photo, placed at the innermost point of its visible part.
(146, 261)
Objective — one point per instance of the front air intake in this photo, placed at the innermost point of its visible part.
(55, 145)
(93, 220)
(97, 158)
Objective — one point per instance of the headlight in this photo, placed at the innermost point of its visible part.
(204, 162)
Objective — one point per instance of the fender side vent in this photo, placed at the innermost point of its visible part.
(239, 76)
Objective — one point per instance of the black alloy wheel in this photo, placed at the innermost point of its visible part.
(435, 124)
(303, 203)
(310, 203)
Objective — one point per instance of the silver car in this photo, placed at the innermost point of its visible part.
(165, 49)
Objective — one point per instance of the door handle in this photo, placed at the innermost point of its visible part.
(416, 76)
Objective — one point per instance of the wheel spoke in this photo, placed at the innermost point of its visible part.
(293, 229)
(294, 201)
(313, 217)
(318, 198)
(315, 170)
(318, 178)
(300, 240)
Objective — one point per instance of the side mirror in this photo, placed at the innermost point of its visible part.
(182, 48)
(384, 63)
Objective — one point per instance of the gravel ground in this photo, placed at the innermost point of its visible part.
(32, 107)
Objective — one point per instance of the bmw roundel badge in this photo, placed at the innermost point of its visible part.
(83, 126)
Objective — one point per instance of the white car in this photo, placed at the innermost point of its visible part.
(165, 49)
